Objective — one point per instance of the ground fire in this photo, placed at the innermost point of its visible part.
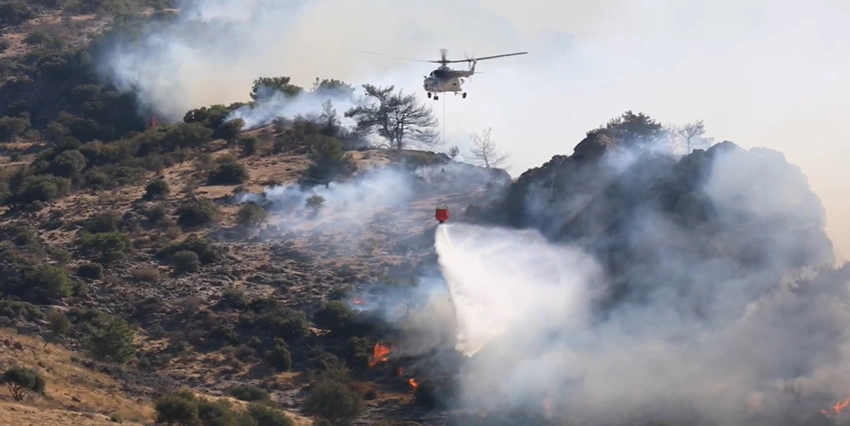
(413, 383)
(380, 354)
(838, 407)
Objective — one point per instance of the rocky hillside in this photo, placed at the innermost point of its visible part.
(207, 272)
(635, 208)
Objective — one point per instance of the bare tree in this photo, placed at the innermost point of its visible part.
(484, 150)
(690, 136)
(399, 118)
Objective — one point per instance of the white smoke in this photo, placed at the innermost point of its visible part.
(529, 302)
(704, 340)
(491, 297)
(374, 198)
(279, 105)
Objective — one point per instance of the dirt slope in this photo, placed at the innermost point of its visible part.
(74, 395)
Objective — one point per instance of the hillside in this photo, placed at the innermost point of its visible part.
(75, 394)
(247, 265)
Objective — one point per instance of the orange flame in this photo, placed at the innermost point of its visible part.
(358, 301)
(838, 407)
(413, 383)
(380, 354)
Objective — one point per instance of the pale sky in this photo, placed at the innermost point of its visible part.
(759, 73)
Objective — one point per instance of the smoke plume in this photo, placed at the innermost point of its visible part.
(734, 324)
(306, 103)
(350, 207)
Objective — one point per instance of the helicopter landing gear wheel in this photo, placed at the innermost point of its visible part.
(463, 95)
(436, 97)
(429, 95)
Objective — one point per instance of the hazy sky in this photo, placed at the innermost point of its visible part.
(759, 73)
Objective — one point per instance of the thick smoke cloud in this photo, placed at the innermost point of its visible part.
(718, 328)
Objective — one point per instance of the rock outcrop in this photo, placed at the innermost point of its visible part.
(658, 222)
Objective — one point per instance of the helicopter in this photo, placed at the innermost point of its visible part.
(444, 79)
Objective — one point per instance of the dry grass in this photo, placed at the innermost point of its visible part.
(74, 395)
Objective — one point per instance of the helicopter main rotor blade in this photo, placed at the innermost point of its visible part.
(473, 59)
(499, 56)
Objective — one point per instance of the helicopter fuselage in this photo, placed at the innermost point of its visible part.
(444, 79)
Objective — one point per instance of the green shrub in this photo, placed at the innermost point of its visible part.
(111, 340)
(14, 13)
(358, 352)
(92, 271)
(246, 392)
(197, 213)
(124, 175)
(42, 188)
(185, 409)
(96, 179)
(104, 222)
(287, 324)
(229, 130)
(12, 127)
(157, 190)
(207, 252)
(68, 163)
(249, 145)
(267, 416)
(107, 246)
(251, 214)
(228, 171)
(24, 236)
(334, 401)
(329, 160)
(23, 310)
(218, 413)
(59, 322)
(185, 261)
(280, 358)
(232, 298)
(23, 381)
(157, 213)
(176, 409)
(41, 282)
(334, 315)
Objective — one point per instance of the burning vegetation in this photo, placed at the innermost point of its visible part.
(380, 354)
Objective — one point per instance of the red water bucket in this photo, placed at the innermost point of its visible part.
(442, 214)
